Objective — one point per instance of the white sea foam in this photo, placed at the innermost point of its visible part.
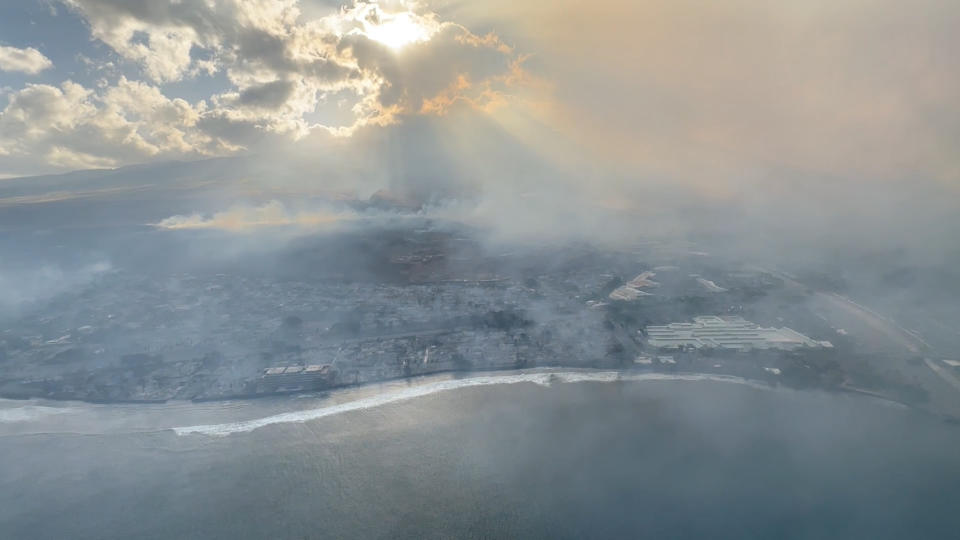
(539, 378)
(27, 413)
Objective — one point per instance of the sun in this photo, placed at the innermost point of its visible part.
(398, 30)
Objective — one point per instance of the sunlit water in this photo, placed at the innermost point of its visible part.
(535, 454)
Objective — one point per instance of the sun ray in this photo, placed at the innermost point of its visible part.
(398, 30)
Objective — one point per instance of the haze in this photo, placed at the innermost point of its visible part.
(343, 205)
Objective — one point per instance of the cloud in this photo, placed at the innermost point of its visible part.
(59, 156)
(70, 126)
(392, 55)
(29, 60)
(269, 95)
(248, 218)
(733, 96)
(739, 102)
(454, 65)
(290, 73)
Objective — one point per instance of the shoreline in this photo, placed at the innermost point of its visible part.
(545, 377)
(381, 393)
(540, 376)
(624, 374)
(368, 384)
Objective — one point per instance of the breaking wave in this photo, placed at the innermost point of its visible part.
(540, 378)
(28, 413)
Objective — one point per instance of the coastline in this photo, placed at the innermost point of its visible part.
(348, 386)
(623, 374)
(539, 376)
(305, 407)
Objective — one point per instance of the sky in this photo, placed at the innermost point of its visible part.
(607, 100)
(100, 84)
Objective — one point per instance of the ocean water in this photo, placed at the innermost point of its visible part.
(531, 455)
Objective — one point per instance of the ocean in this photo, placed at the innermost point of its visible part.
(503, 455)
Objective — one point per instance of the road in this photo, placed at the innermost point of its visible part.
(942, 385)
(951, 379)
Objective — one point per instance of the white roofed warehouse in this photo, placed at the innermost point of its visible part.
(734, 333)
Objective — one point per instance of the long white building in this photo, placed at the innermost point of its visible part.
(734, 333)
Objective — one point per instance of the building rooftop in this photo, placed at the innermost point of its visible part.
(733, 333)
(313, 369)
